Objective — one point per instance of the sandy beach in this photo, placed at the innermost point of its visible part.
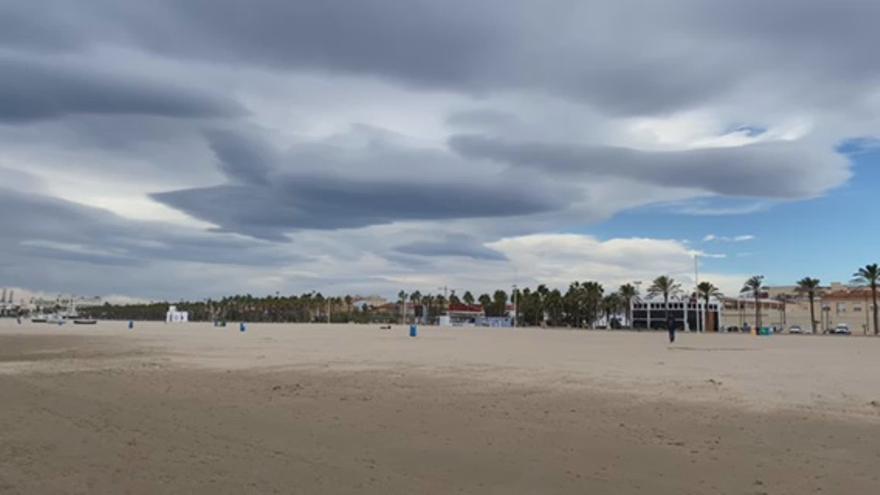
(355, 409)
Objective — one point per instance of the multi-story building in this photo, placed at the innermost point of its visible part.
(689, 314)
(850, 306)
(7, 303)
(833, 305)
(719, 315)
(780, 307)
(741, 312)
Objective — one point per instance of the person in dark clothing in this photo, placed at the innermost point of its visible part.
(670, 325)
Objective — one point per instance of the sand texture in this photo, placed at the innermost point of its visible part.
(315, 409)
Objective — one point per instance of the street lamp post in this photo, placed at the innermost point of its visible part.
(638, 284)
(701, 312)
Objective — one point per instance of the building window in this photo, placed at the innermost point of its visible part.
(857, 309)
(841, 308)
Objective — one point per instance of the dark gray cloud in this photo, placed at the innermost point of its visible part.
(242, 159)
(308, 202)
(39, 226)
(271, 194)
(778, 170)
(35, 25)
(452, 245)
(482, 118)
(32, 90)
(626, 56)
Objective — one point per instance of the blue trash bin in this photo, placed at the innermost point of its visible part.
(242, 327)
(413, 330)
(130, 324)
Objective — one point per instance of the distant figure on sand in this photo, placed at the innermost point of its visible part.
(670, 324)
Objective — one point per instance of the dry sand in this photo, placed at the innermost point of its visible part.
(353, 409)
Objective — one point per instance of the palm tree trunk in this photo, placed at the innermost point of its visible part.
(874, 296)
(757, 315)
(704, 312)
(666, 306)
(629, 316)
(812, 314)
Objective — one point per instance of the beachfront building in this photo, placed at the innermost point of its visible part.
(690, 314)
(473, 315)
(833, 305)
(175, 316)
(8, 307)
(463, 315)
(739, 312)
(364, 303)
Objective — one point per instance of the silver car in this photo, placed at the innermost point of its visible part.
(841, 329)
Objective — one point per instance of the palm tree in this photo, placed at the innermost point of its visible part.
(808, 286)
(628, 292)
(468, 298)
(755, 287)
(499, 302)
(454, 299)
(442, 304)
(428, 308)
(666, 286)
(592, 300)
(611, 305)
(870, 275)
(319, 303)
(486, 303)
(401, 297)
(525, 306)
(416, 300)
(554, 305)
(706, 290)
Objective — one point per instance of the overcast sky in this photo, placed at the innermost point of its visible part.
(193, 148)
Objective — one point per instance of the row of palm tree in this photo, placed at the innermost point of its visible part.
(866, 276)
(308, 307)
(581, 305)
(869, 275)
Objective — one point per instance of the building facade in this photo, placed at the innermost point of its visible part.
(689, 314)
(852, 307)
(740, 312)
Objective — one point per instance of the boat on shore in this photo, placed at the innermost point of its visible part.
(56, 319)
(85, 321)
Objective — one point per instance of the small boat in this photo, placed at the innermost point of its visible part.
(56, 320)
(38, 319)
(85, 321)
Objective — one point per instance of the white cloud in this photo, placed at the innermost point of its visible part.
(704, 254)
(736, 238)
(558, 259)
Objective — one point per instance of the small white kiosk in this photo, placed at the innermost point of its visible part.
(175, 316)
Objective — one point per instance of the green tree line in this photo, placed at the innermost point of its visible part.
(581, 305)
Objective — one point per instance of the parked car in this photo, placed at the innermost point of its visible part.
(841, 329)
(732, 329)
(795, 329)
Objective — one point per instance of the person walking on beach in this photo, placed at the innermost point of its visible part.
(670, 325)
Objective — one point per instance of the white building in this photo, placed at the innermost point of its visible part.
(175, 316)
